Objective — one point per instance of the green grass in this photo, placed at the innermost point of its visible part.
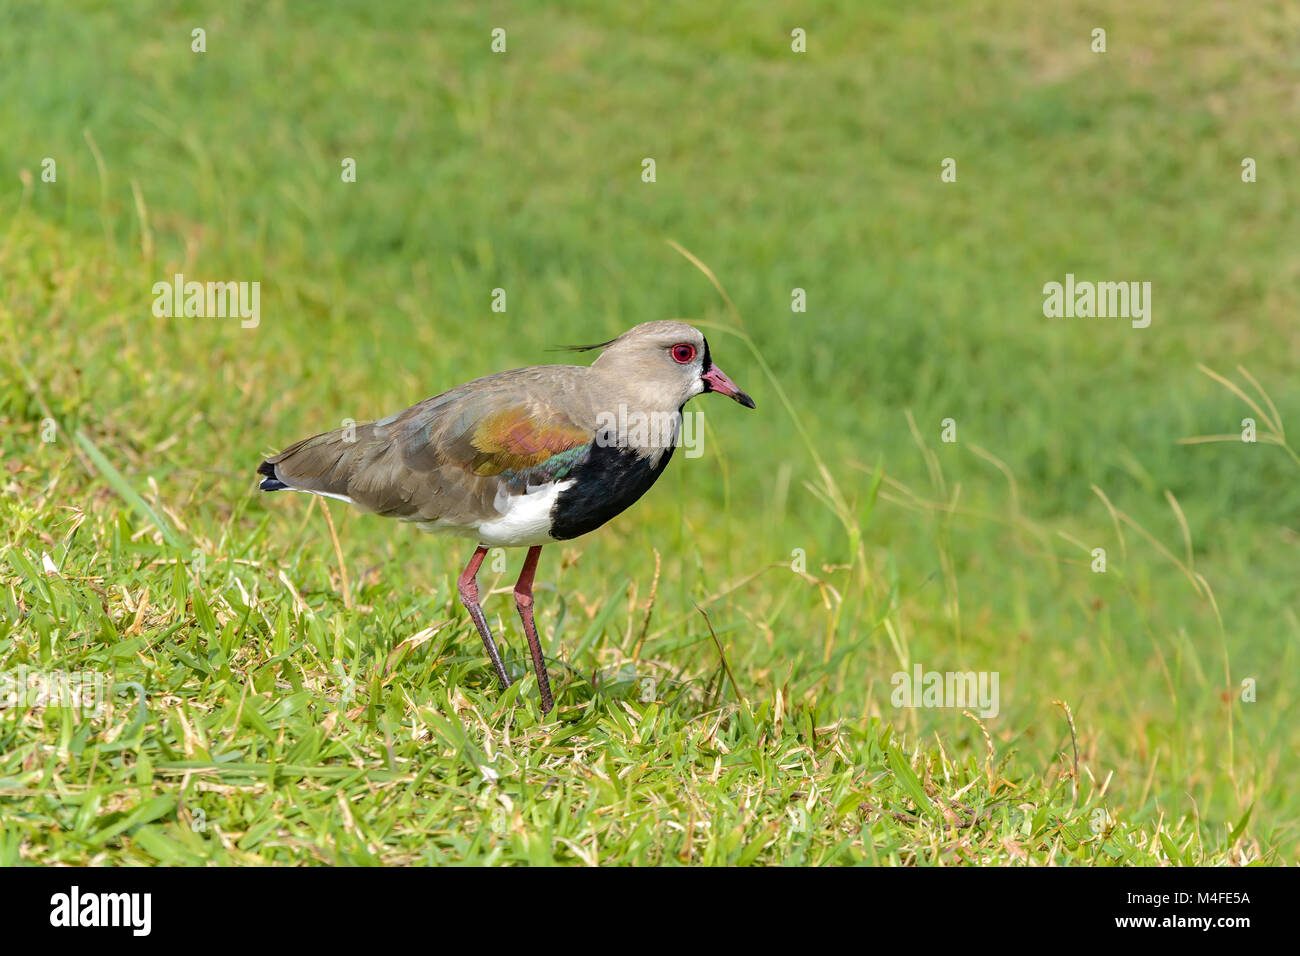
(308, 705)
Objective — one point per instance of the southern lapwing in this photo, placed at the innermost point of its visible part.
(521, 458)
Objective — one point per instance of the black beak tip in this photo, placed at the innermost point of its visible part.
(744, 399)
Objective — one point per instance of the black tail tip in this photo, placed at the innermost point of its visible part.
(271, 483)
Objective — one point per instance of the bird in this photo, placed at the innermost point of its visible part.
(519, 459)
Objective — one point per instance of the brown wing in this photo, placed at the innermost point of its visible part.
(449, 457)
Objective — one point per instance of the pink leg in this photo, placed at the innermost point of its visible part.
(524, 602)
(468, 587)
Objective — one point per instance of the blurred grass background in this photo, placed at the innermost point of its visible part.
(779, 170)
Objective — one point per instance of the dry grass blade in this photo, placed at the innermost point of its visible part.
(721, 653)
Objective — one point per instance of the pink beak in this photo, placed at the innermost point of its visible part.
(716, 380)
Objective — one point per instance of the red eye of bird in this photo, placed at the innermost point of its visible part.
(683, 353)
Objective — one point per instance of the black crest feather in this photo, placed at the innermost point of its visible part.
(583, 348)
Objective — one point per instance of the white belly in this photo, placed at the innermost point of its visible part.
(525, 520)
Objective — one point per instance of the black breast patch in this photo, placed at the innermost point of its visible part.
(606, 483)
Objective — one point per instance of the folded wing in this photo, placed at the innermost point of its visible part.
(451, 458)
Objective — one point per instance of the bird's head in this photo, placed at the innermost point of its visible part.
(667, 362)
